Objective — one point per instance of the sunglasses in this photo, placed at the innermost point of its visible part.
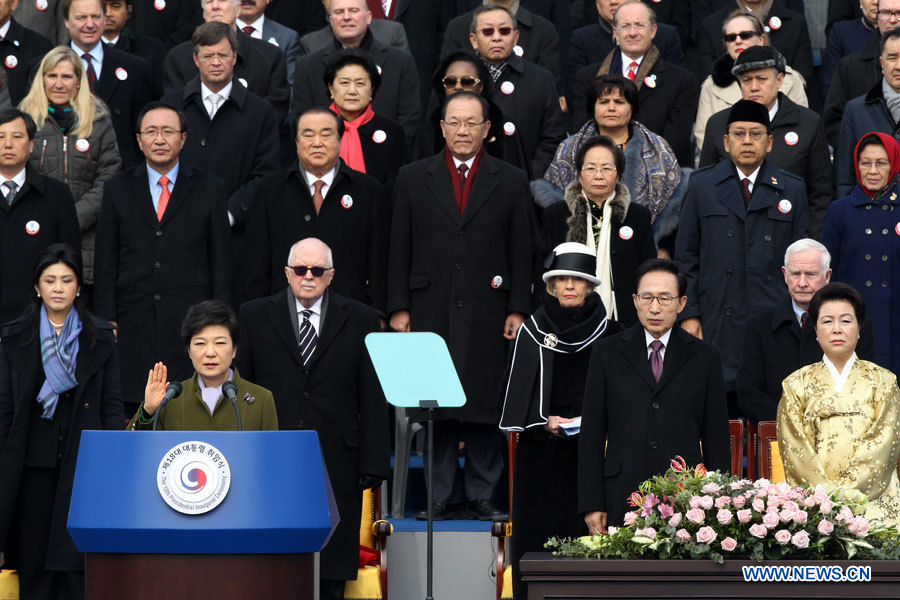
(467, 81)
(316, 271)
(744, 35)
(489, 31)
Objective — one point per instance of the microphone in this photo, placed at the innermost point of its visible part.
(172, 390)
(229, 388)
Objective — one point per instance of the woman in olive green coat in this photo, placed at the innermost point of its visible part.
(210, 332)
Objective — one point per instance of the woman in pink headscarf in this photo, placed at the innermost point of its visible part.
(371, 144)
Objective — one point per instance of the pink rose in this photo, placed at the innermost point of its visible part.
(783, 487)
(758, 505)
(800, 517)
(745, 515)
(845, 515)
(724, 516)
(820, 494)
(647, 531)
(782, 536)
(675, 521)
(770, 520)
(696, 516)
(758, 530)
(800, 539)
(723, 501)
(706, 535)
(630, 518)
(611, 530)
(738, 501)
(786, 515)
(809, 502)
(665, 511)
(772, 490)
(710, 488)
(706, 502)
(826, 506)
(694, 502)
(859, 526)
(825, 527)
(729, 544)
(791, 505)
(682, 535)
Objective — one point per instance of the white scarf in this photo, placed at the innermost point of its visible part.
(601, 249)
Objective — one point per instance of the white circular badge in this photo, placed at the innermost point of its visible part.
(897, 228)
(507, 87)
(32, 227)
(193, 477)
(650, 82)
(82, 145)
(243, 81)
(273, 41)
(517, 50)
(785, 206)
(509, 128)
(121, 74)
(791, 138)
(346, 201)
(775, 23)
(159, 4)
(496, 282)
(41, 5)
(379, 136)
(11, 61)
(626, 232)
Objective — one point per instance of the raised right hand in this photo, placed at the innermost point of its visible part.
(156, 387)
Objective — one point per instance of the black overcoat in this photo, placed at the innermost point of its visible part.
(96, 404)
(148, 272)
(150, 49)
(854, 76)
(732, 253)
(648, 423)
(383, 158)
(353, 222)
(42, 213)
(337, 395)
(461, 276)
(174, 24)
(799, 147)
(25, 46)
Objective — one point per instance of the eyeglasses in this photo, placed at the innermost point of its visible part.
(167, 132)
(740, 134)
(466, 81)
(220, 56)
(626, 27)
(489, 31)
(887, 15)
(463, 125)
(607, 171)
(744, 35)
(878, 165)
(301, 270)
(647, 298)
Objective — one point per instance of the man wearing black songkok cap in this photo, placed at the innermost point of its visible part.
(799, 144)
(737, 219)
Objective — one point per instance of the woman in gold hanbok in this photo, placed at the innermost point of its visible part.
(839, 419)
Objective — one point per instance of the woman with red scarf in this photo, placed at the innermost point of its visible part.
(862, 232)
(371, 144)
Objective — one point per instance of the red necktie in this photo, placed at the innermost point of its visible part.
(632, 70)
(803, 319)
(91, 74)
(163, 197)
(746, 183)
(248, 29)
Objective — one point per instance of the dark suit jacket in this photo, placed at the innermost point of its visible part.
(393, 100)
(775, 347)
(387, 32)
(460, 276)
(260, 64)
(383, 159)
(854, 76)
(173, 24)
(302, 16)
(95, 403)
(284, 38)
(844, 39)
(26, 47)
(424, 23)
(124, 97)
(43, 201)
(337, 394)
(648, 423)
(808, 157)
(283, 214)
(150, 49)
(148, 272)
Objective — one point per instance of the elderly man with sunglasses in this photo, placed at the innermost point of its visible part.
(320, 196)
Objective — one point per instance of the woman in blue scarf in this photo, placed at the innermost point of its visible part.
(59, 375)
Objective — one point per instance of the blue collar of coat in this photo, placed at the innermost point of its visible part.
(769, 175)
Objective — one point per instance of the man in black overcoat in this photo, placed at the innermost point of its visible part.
(41, 212)
(123, 80)
(459, 266)
(323, 381)
(162, 246)
(260, 66)
(656, 391)
(349, 24)
(119, 32)
(171, 21)
(667, 94)
(20, 47)
(779, 341)
(349, 214)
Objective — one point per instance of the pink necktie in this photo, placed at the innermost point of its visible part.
(656, 361)
(163, 197)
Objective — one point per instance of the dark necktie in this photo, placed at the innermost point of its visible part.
(746, 184)
(656, 360)
(318, 199)
(248, 29)
(91, 74)
(13, 188)
(803, 319)
(462, 186)
(308, 337)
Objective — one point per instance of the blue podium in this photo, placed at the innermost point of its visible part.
(194, 513)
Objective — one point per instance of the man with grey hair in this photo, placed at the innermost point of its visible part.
(307, 345)
(779, 341)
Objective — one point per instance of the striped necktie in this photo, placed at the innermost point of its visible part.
(308, 337)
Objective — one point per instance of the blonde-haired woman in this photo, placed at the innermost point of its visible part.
(75, 140)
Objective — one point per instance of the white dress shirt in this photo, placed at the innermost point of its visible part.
(205, 93)
(257, 26)
(664, 338)
(314, 318)
(752, 177)
(774, 111)
(468, 163)
(311, 179)
(4, 30)
(18, 178)
(96, 57)
(626, 64)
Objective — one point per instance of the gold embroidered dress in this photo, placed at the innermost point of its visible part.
(842, 429)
